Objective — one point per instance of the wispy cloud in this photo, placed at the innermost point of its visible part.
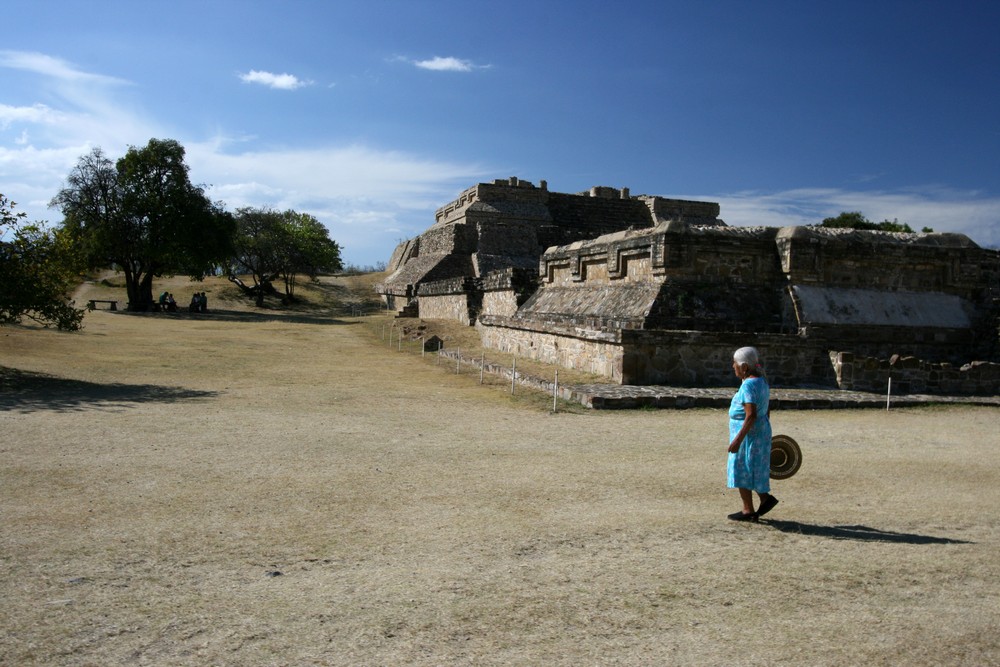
(369, 197)
(51, 67)
(445, 64)
(278, 81)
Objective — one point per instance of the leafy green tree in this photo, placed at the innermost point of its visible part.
(311, 251)
(257, 250)
(855, 220)
(143, 215)
(38, 268)
(270, 244)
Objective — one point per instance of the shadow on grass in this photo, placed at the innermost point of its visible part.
(858, 533)
(263, 315)
(25, 391)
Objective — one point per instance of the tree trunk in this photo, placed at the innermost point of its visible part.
(135, 301)
(146, 289)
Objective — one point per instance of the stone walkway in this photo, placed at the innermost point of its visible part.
(617, 397)
(624, 397)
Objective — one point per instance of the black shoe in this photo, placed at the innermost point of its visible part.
(767, 505)
(741, 516)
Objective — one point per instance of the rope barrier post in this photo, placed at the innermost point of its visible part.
(513, 375)
(555, 390)
(888, 393)
(482, 367)
(458, 360)
(422, 344)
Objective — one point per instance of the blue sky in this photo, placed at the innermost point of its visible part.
(370, 115)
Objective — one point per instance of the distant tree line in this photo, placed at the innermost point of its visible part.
(855, 220)
(142, 215)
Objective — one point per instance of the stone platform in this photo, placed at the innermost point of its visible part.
(625, 397)
(619, 397)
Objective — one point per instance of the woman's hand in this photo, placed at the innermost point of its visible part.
(751, 416)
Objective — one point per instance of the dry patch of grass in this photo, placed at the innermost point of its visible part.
(274, 488)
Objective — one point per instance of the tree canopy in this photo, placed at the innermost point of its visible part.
(269, 244)
(143, 215)
(38, 268)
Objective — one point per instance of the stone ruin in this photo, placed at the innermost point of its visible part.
(648, 290)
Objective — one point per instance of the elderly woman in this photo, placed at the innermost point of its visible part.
(749, 467)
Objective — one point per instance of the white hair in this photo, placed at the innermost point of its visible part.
(749, 356)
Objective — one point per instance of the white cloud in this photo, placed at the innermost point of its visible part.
(439, 64)
(368, 197)
(35, 114)
(51, 67)
(278, 81)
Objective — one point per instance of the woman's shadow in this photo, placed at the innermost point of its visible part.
(859, 533)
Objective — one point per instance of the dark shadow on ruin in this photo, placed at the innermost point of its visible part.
(26, 391)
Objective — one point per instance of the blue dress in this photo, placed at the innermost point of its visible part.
(750, 467)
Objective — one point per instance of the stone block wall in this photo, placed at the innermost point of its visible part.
(703, 358)
(505, 291)
(710, 278)
(911, 375)
(681, 358)
(448, 239)
(446, 307)
(500, 190)
(587, 352)
(452, 299)
(948, 263)
(403, 253)
(501, 302)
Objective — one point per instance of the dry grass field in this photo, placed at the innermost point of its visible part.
(283, 488)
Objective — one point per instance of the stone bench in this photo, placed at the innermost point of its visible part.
(92, 304)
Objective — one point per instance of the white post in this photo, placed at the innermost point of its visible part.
(482, 367)
(422, 344)
(555, 390)
(513, 375)
(888, 394)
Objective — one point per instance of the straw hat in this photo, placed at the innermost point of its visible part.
(786, 457)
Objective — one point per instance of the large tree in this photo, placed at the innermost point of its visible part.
(38, 268)
(270, 244)
(143, 216)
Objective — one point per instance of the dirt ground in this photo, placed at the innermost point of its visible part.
(245, 488)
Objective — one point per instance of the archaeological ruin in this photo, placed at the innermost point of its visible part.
(648, 290)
